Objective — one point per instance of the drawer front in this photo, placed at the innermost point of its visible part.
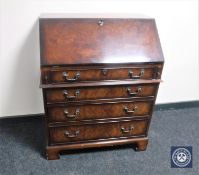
(87, 132)
(99, 111)
(78, 75)
(106, 92)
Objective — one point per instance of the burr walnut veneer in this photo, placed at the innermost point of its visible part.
(100, 79)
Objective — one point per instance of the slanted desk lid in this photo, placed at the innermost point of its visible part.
(94, 40)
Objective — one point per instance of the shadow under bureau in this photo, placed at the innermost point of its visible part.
(100, 79)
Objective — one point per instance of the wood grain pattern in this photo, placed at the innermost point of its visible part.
(99, 111)
(58, 74)
(95, 93)
(133, 128)
(103, 74)
(76, 41)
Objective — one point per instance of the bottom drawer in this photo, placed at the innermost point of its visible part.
(85, 132)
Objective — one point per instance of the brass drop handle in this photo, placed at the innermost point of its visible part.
(101, 22)
(126, 109)
(65, 92)
(136, 76)
(75, 115)
(134, 93)
(69, 135)
(125, 131)
(76, 77)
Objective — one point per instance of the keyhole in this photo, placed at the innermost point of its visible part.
(101, 22)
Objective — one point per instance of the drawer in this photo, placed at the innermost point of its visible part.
(75, 133)
(100, 111)
(64, 75)
(105, 92)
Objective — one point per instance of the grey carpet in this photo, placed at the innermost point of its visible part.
(21, 146)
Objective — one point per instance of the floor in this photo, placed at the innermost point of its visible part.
(21, 146)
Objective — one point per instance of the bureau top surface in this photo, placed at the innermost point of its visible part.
(70, 41)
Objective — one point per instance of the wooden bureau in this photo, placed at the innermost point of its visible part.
(100, 78)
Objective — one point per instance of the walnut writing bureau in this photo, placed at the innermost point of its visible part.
(100, 78)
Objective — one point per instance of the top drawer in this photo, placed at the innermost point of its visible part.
(67, 75)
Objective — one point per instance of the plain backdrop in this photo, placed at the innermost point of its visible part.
(177, 22)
